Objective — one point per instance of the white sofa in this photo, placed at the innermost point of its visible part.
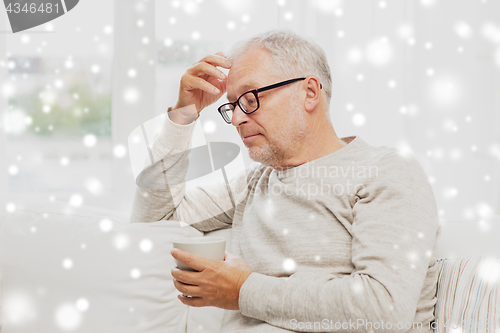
(87, 269)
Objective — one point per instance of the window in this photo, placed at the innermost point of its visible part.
(57, 91)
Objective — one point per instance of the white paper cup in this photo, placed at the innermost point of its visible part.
(208, 247)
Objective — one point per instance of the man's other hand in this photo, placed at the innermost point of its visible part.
(217, 283)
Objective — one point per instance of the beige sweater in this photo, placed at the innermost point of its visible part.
(344, 242)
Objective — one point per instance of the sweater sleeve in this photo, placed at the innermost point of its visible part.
(207, 203)
(394, 229)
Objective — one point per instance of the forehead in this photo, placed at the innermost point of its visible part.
(249, 71)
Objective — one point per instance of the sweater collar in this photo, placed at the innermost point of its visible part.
(352, 143)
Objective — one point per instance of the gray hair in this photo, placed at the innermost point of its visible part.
(293, 56)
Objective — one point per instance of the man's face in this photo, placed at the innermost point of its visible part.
(273, 131)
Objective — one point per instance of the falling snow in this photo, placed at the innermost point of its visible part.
(119, 151)
(356, 287)
(121, 241)
(82, 304)
(89, 140)
(146, 245)
(289, 265)
(135, 273)
(94, 186)
(18, 308)
(106, 225)
(68, 317)
(435, 101)
(67, 263)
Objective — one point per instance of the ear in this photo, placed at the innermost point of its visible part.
(313, 94)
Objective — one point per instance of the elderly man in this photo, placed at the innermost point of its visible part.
(331, 234)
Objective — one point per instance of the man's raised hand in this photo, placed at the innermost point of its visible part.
(203, 83)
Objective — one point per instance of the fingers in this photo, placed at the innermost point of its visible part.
(203, 68)
(217, 60)
(192, 301)
(183, 276)
(190, 82)
(204, 82)
(193, 80)
(220, 84)
(186, 289)
(194, 261)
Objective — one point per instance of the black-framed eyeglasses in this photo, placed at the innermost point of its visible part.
(249, 101)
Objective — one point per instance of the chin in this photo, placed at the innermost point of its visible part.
(263, 155)
(256, 155)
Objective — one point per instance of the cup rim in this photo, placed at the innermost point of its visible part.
(206, 240)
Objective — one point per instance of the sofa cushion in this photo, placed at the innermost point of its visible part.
(87, 269)
(467, 295)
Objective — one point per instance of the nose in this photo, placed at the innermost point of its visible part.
(239, 117)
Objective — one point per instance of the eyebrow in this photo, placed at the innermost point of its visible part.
(244, 88)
